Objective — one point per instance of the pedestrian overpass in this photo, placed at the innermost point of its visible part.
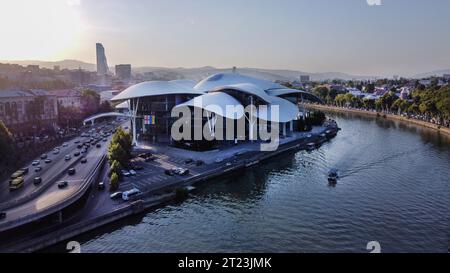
(92, 119)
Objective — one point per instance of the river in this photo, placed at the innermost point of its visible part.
(394, 189)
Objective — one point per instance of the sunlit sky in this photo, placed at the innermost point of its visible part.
(397, 37)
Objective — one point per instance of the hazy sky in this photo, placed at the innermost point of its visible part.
(397, 37)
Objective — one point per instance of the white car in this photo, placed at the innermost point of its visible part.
(126, 173)
(127, 194)
(55, 151)
(132, 172)
(67, 157)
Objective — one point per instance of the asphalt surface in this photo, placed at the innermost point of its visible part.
(57, 168)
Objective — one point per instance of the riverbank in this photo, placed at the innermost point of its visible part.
(96, 214)
(377, 114)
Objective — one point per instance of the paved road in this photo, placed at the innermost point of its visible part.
(53, 195)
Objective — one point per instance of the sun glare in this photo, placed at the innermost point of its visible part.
(43, 29)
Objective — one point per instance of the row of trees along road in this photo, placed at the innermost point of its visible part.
(6, 148)
(431, 103)
(119, 155)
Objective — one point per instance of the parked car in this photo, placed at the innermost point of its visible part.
(180, 171)
(35, 163)
(101, 185)
(168, 172)
(188, 161)
(2, 215)
(48, 160)
(125, 173)
(38, 169)
(37, 180)
(137, 166)
(71, 171)
(63, 184)
(199, 162)
(43, 156)
(67, 157)
(79, 146)
(77, 141)
(127, 194)
(98, 145)
(65, 144)
(116, 195)
(83, 160)
(55, 151)
(132, 172)
(76, 154)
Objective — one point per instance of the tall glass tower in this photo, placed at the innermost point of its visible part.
(102, 64)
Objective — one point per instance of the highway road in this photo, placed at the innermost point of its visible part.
(52, 195)
(48, 173)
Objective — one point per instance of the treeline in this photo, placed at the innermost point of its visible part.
(431, 103)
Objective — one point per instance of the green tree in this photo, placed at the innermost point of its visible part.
(114, 182)
(6, 144)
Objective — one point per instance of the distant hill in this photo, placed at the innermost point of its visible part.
(199, 73)
(69, 64)
(432, 73)
(268, 74)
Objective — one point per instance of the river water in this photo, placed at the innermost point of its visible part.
(394, 189)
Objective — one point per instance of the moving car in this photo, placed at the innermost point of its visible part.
(63, 184)
(83, 160)
(17, 174)
(67, 157)
(101, 185)
(127, 194)
(38, 169)
(48, 160)
(2, 215)
(35, 163)
(76, 154)
(71, 171)
(116, 195)
(43, 156)
(24, 170)
(55, 151)
(37, 180)
(132, 172)
(65, 144)
(16, 183)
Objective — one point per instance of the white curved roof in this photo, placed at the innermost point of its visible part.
(156, 88)
(223, 79)
(122, 105)
(219, 103)
(287, 111)
(288, 91)
(248, 88)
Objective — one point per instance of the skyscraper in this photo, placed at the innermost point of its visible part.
(102, 64)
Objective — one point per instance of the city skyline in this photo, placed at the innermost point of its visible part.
(358, 37)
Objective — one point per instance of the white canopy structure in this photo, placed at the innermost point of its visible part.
(224, 79)
(287, 111)
(156, 88)
(219, 103)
